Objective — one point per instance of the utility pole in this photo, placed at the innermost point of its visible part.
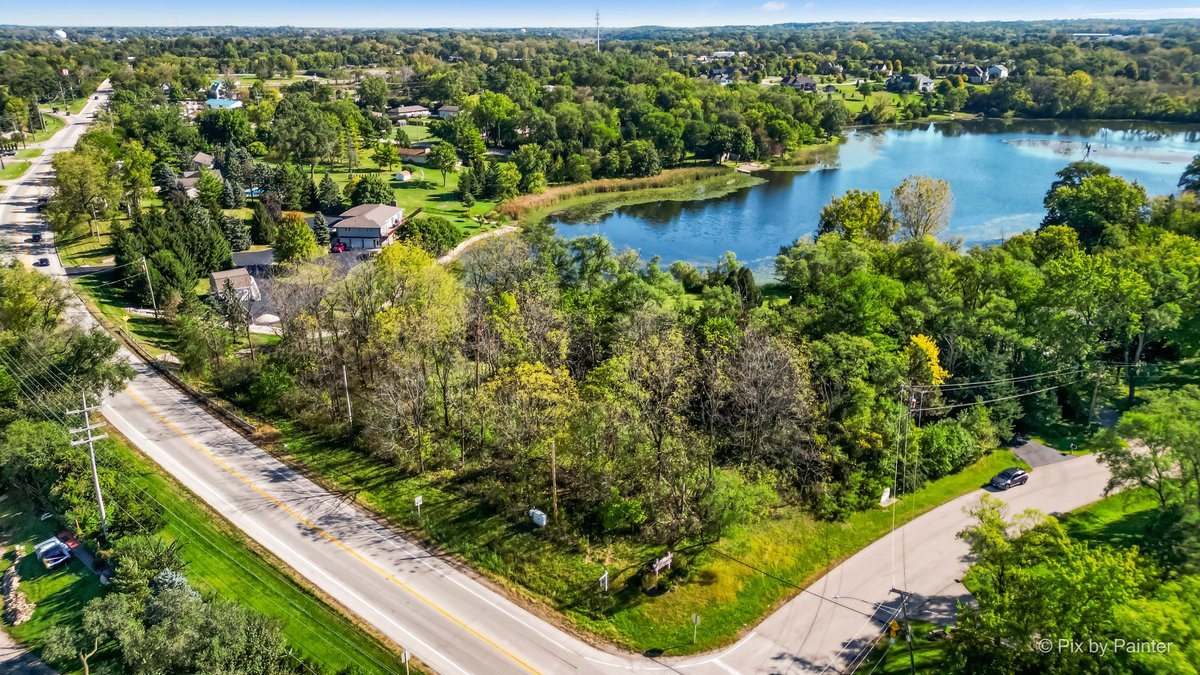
(150, 284)
(553, 481)
(912, 660)
(87, 429)
(597, 30)
(1095, 392)
(346, 387)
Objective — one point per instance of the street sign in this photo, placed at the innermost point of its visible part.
(695, 625)
(404, 660)
(604, 581)
(418, 502)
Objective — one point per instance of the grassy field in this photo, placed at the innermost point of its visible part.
(73, 106)
(29, 153)
(790, 545)
(59, 595)
(586, 201)
(428, 194)
(220, 561)
(13, 169)
(53, 124)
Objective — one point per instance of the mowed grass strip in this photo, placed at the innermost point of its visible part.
(220, 560)
(729, 596)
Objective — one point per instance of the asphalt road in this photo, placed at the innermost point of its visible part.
(456, 623)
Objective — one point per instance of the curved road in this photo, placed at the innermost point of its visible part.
(456, 623)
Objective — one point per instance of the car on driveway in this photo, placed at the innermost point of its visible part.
(52, 552)
(42, 262)
(36, 238)
(1009, 478)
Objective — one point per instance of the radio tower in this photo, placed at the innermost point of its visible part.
(597, 30)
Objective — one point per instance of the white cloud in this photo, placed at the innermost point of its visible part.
(807, 5)
(774, 5)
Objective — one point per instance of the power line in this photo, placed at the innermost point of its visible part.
(1005, 380)
(996, 400)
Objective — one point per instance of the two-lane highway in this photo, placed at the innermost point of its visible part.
(457, 623)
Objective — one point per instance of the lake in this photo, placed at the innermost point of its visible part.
(999, 172)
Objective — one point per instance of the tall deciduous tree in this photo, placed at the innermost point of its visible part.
(295, 242)
(923, 206)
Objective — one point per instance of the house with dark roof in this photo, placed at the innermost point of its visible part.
(917, 82)
(800, 83)
(975, 74)
(368, 226)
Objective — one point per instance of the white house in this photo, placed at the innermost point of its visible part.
(997, 72)
(243, 284)
(407, 112)
(724, 55)
(448, 111)
(368, 226)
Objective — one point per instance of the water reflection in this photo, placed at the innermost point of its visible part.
(999, 171)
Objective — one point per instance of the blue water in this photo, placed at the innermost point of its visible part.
(998, 171)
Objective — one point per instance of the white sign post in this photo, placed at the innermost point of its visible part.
(695, 625)
(404, 660)
(418, 502)
(604, 581)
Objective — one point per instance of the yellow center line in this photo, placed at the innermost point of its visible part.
(387, 575)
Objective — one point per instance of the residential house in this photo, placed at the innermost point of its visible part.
(883, 69)
(829, 89)
(724, 55)
(222, 104)
(203, 159)
(722, 76)
(243, 284)
(448, 112)
(407, 112)
(910, 82)
(975, 74)
(830, 68)
(217, 89)
(368, 226)
(414, 155)
(997, 72)
(188, 180)
(800, 83)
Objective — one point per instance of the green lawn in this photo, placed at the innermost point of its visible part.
(894, 658)
(790, 545)
(220, 561)
(1117, 520)
(13, 169)
(53, 124)
(83, 248)
(29, 153)
(73, 106)
(59, 595)
(428, 194)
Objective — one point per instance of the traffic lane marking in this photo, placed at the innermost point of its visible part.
(332, 539)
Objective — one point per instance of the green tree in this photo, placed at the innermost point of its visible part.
(329, 197)
(209, 189)
(443, 158)
(507, 181)
(435, 235)
(320, 231)
(858, 214)
(385, 155)
(85, 189)
(263, 226)
(137, 162)
(922, 206)
(295, 242)
(1099, 208)
(372, 189)
(1190, 180)
(373, 93)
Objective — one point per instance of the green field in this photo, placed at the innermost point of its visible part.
(13, 170)
(221, 562)
(59, 595)
(53, 124)
(29, 153)
(791, 546)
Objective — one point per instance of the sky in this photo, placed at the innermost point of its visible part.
(538, 13)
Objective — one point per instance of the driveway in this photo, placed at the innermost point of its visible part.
(1037, 454)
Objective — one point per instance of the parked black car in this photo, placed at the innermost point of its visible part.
(1010, 477)
(42, 262)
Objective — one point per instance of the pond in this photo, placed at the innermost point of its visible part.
(999, 172)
